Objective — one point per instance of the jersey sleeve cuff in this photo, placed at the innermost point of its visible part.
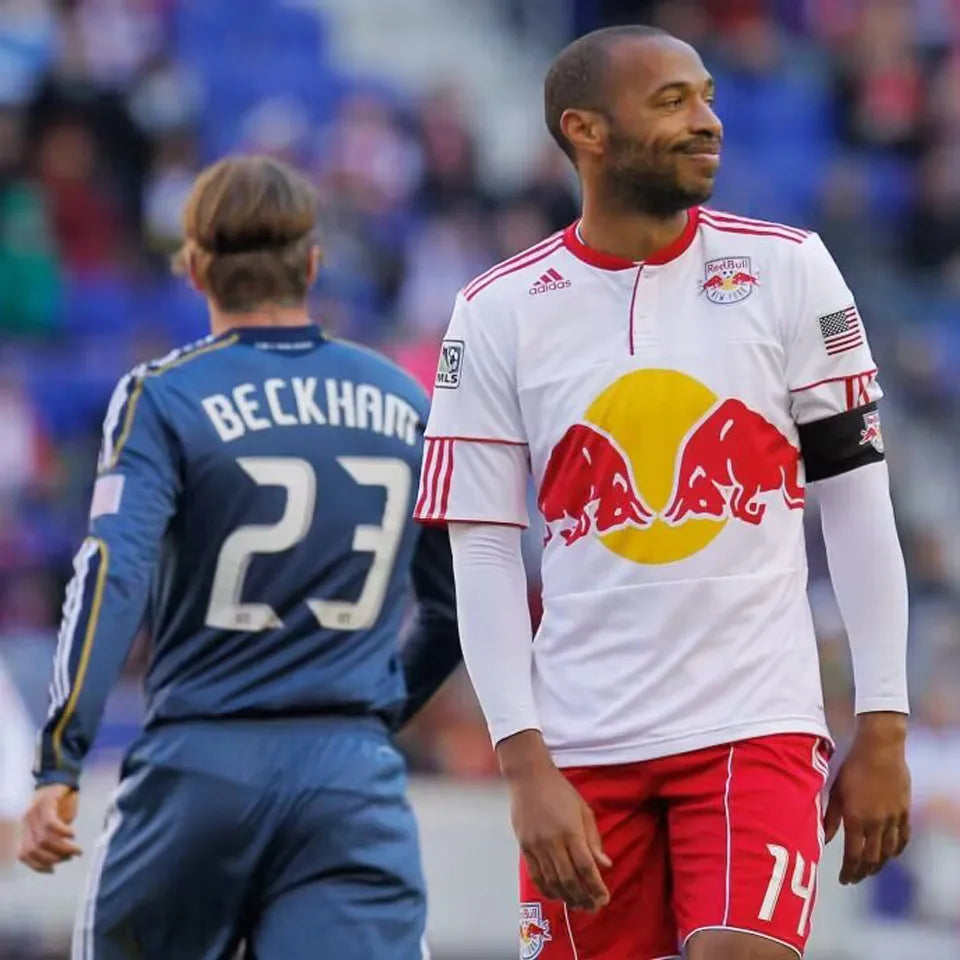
(897, 704)
(472, 482)
(505, 727)
(443, 521)
(69, 778)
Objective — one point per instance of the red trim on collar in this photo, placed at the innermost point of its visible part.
(608, 261)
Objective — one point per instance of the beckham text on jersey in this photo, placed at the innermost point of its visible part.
(304, 401)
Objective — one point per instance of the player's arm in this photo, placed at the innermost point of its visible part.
(475, 473)
(432, 651)
(474, 478)
(834, 392)
(134, 498)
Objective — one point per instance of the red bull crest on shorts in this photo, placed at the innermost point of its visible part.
(659, 465)
(728, 280)
(534, 930)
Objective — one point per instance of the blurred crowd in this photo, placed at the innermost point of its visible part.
(840, 115)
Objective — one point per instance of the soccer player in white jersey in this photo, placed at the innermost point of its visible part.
(673, 377)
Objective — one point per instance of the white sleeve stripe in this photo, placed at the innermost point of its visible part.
(71, 611)
(114, 416)
(72, 607)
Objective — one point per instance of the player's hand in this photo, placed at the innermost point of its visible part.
(871, 797)
(555, 828)
(47, 837)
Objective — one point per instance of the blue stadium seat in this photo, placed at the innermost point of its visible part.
(790, 109)
(221, 39)
(891, 186)
(70, 395)
(208, 30)
(297, 76)
(170, 305)
(96, 304)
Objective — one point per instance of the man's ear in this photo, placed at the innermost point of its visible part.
(313, 267)
(191, 255)
(585, 130)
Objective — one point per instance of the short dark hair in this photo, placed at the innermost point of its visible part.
(577, 76)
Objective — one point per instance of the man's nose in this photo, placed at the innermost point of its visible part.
(705, 122)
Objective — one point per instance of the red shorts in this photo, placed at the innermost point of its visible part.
(726, 837)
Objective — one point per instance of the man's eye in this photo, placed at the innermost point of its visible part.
(672, 102)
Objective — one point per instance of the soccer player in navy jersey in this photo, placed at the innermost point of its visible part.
(252, 499)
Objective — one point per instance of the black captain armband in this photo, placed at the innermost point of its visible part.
(841, 443)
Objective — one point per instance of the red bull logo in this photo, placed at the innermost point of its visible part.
(659, 465)
(534, 931)
(728, 280)
(871, 432)
(589, 484)
(729, 458)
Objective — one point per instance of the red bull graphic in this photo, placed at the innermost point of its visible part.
(534, 931)
(588, 480)
(728, 280)
(871, 432)
(731, 457)
(659, 465)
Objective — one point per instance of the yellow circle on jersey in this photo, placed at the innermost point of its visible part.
(648, 413)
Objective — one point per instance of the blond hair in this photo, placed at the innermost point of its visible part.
(249, 232)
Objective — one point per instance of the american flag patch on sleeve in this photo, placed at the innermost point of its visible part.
(107, 494)
(841, 330)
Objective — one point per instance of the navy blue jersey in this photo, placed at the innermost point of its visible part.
(252, 502)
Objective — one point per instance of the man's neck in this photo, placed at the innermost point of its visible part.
(265, 316)
(630, 235)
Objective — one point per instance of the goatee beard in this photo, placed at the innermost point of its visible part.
(651, 192)
(639, 187)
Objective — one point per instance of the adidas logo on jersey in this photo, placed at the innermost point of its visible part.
(551, 280)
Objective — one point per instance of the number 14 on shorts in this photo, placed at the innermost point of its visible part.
(802, 883)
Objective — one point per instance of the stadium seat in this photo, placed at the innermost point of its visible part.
(96, 303)
(173, 307)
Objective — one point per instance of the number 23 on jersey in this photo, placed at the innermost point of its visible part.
(226, 609)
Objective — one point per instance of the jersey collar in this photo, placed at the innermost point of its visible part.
(608, 261)
(308, 332)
